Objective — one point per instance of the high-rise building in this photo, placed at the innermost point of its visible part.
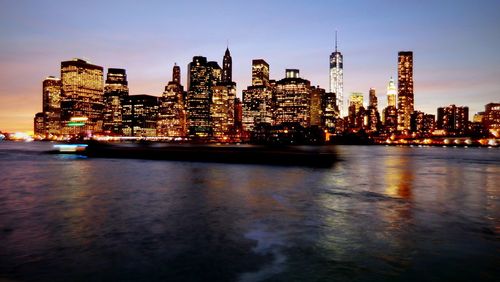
(115, 90)
(260, 73)
(140, 113)
(316, 110)
(227, 67)
(454, 120)
(429, 124)
(52, 105)
(39, 124)
(221, 112)
(373, 116)
(171, 112)
(417, 122)
(355, 105)
(222, 101)
(257, 98)
(81, 97)
(491, 119)
(330, 112)
(390, 119)
(405, 89)
(372, 99)
(238, 117)
(337, 77)
(391, 93)
(293, 96)
(200, 80)
(421, 123)
(176, 74)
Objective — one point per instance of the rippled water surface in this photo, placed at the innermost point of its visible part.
(381, 213)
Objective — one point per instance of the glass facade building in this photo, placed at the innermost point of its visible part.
(405, 89)
(115, 90)
(81, 96)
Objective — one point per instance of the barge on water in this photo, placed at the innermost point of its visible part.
(312, 156)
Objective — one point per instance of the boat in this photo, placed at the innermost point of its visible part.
(312, 156)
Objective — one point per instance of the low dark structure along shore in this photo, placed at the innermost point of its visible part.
(317, 156)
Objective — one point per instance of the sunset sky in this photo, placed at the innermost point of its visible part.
(456, 45)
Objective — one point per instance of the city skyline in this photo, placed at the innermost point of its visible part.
(456, 65)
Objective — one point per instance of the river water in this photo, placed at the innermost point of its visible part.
(380, 213)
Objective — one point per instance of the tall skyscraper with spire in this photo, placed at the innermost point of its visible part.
(337, 77)
(172, 113)
(227, 67)
(405, 89)
(391, 93)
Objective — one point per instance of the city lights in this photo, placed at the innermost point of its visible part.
(286, 111)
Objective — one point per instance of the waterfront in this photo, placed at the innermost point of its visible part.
(380, 213)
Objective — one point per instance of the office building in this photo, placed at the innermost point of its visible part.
(115, 90)
(39, 124)
(171, 111)
(81, 97)
(293, 96)
(257, 98)
(316, 110)
(140, 114)
(330, 112)
(200, 80)
(337, 77)
(391, 93)
(372, 114)
(453, 120)
(52, 105)
(356, 110)
(405, 89)
(491, 119)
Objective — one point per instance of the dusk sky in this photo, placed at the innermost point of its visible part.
(456, 45)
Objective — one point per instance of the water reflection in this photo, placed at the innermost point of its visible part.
(382, 213)
(399, 175)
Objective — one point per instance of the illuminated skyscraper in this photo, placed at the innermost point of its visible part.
(329, 110)
(421, 123)
(260, 73)
(316, 111)
(198, 97)
(176, 74)
(373, 101)
(140, 113)
(227, 67)
(52, 105)
(221, 111)
(405, 89)
(223, 93)
(454, 120)
(39, 124)
(238, 117)
(391, 94)
(390, 119)
(115, 90)
(257, 98)
(491, 120)
(390, 113)
(337, 77)
(171, 112)
(293, 96)
(373, 116)
(82, 96)
(355, 108)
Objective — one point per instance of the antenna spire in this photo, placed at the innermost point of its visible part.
(335, 40)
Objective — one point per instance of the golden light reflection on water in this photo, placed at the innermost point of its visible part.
(399, 176)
